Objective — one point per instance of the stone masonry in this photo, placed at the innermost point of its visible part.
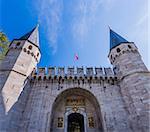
(42, 99)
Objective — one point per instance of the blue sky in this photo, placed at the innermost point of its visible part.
(77, 26)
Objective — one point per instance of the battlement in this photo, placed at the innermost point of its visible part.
(72, 72)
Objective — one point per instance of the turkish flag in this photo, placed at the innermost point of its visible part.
(76, 57)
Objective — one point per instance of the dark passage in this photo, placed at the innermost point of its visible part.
(75, 122)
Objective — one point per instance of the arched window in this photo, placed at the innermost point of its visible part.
(30, 47)
(111, 57)
(32, 54)
(129, 46)
(118, 50)
(28, 52)
(18, 43)
(24, 49)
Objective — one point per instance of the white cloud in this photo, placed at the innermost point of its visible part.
(139, 33)
(50, 13)
(84, 13)
(85, 16)
(108, 4)
(142, 19)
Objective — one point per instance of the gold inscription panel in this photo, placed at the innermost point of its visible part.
(75, 101)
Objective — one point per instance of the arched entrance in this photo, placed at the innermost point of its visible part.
(75, 123)
(76, 110)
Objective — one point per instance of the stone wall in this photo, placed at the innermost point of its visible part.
(118, 101)
(133, 77)
(46, 88)
(15, 69)
(10, 120)
(135, 90)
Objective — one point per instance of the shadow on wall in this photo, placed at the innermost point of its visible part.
(11, 120)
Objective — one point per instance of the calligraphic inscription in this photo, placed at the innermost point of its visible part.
(60, 122)
(91, 122)
(75, 101)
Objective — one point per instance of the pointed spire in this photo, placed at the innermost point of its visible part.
(32, 36)
(116, 39)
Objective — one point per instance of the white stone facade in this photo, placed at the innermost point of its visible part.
(41, 100)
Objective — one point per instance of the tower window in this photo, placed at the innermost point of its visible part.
(30, 47)
(18, 43)
(129, 46)
(111, 57)
(24, 49)
(28, 52)
(118, 50)
(37, 54)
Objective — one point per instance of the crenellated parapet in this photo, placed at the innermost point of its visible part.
(73, 73)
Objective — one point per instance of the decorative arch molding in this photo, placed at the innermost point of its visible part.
(80, 91)
(66, 91)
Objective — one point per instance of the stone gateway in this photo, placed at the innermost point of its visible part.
(73, 99)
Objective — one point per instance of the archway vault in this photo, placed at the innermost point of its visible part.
(76, 100)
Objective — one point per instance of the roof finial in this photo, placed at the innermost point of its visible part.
(37, 25)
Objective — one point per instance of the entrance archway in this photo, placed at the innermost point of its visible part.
(76, 102)
(75, 123)
(81, 112)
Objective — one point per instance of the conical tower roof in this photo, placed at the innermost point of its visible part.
(116, 39)
(32, 36)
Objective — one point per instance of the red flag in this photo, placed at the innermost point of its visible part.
(76, 57)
